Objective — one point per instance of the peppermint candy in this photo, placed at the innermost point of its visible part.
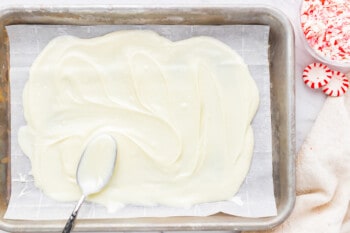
(317, 75)
(338, 85)
(326, 26)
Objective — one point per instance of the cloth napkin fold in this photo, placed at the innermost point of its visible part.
(323, 174)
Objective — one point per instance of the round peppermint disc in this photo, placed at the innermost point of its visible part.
(338, 85)
(317, 75)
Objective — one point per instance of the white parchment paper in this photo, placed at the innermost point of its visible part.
(255, 197)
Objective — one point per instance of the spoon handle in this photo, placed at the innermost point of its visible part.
(70, 222)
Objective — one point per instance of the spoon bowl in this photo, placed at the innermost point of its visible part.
(94, 171)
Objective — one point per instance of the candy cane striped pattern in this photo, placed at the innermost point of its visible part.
(317, 75)
(338, 85)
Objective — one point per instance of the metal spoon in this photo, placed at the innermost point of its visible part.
(94, 171)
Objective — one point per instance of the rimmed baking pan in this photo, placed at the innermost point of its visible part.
(281, 59)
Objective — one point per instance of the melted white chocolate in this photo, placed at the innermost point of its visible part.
(179, 111)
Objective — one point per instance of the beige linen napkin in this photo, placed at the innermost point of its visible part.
(323, 174)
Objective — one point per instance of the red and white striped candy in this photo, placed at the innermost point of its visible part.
(338, 85)
(326, 26)
(317, 75)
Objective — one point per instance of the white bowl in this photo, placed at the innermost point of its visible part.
(343, 64)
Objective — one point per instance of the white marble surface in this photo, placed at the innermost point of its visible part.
(308, 102)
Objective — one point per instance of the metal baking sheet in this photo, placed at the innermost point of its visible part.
(282, 106)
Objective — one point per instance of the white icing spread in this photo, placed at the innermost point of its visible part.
(179, 111)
